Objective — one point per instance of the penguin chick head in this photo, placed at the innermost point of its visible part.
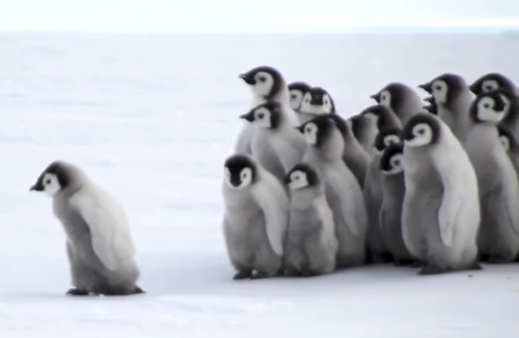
(57, 176)
(318, 130)
(266, 115)
(445, 87)
(391, 95)
(490, 82)
(264, 81)
(317, 101)
(240, 171)
(301, 176)
(507, 139)
(379, 114)
(488, 107)
(421, 129)
(297, 91)
(388, 136)
(391, 159)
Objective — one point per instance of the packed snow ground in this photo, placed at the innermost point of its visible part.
(152, 118)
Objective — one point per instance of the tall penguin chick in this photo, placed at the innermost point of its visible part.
(266, 84)
(378, 250)
(511, 118)
(316, 101)
(441, 215)
(493, 81)
(404, 101)
(354, 155)
(393, 193)
(311, 245)
(276, 144)
(297, 91)
(498, 238)
(343, 192)
(255, 218)
(452, 98)
(100, 248)
(365, 130)
(383, 116)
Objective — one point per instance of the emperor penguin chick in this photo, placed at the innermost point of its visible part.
(404, 101)
(100, 248)
(498, 238)
(316, 101)
(255, 218)
(343, 192)
(383, 116)
(393, 192)
(378, 250)
(365, 130)
(311, 245)
(276, 144)
(493, 81)
(354, 155)
(441, 215)
(297, 91)
(452, 98)
(266, 84)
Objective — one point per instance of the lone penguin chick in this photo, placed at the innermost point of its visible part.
(297, 91)
(404, 101)
(311, 245)
(441, 214)
(255, 218)
(100, 248)
(316, 101)
(266, 84)
(393, 192)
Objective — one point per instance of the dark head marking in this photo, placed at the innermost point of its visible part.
(325, 126)
(56, 169)
(455, 85)
(359, 125)
(390, 151)
(397, 91)
(303, 87)
(386, 116)
(422, 118)
(498, 105)
(317, 95)
(252, 79)
(503, 83)
(340, 123)
(274, 109)
(235, 164)
(383, 133)
(311, 175)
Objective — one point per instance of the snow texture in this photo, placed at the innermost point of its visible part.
(152, 118)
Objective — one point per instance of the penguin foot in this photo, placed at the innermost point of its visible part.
(243, 274)
(259, 275)
(431, 270)
(138, 290)
(403, 262)
(78, 292)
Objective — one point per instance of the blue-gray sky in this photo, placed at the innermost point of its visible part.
(249, 15)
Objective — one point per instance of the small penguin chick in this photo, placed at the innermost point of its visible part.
(493, 81)
(266, 84)
(488, 107)
(402, 99)
(265, 116)
(391, 159)
(382, 115)
(445, 88)
(297, 91)
(319, 131)
(388, 136)
(317, 101)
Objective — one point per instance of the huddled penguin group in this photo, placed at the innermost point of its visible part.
(430, 184)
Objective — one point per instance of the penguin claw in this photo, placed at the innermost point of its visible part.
(77, 292)
(243, 274)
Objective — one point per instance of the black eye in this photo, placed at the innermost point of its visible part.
(262, 79)
(293, 96)
(421, 131)
(48, 181)
(260, 116)
(486, 105)
(438, 88)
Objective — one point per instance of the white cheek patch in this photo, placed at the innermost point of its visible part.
(310, 133)
(489, 85)
(385, 98)
(246, 177)
(507, 103)
(308, 108)
(264, 83)
(296, 97)
(327, 106)
(439, 91)
(51, 184)
(390, 139)
(505, 142)
(422, 136)
(298, 180)
(486, 111)
(262, 118)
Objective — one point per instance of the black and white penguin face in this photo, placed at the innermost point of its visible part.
(445, 88)
(506, 138)
(421, 129)
(489, 107)
(317, 101)
(391, 160)
(301, 176)
(317, 129)
(52, 180)
(392, 95)
(240, 171)
(264, 116)
(491, 82)
(296, 91)
(386, 137)
(264, 81)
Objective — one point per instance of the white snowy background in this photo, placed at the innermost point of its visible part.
(152, 117)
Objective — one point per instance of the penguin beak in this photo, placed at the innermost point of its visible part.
(375, 97)
(248, 78)
(426, 86)
(301, 129)
(474, 87)
(429, 99)
(249, 116)
(286, 180)
(37, 187)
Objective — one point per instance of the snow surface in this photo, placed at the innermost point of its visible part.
(152, 118)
